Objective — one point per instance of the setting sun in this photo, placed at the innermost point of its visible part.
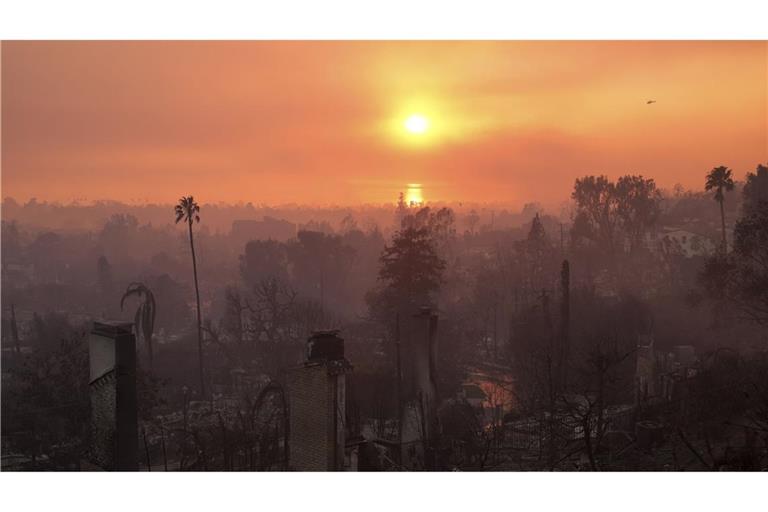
(417, 124)
(523, 243)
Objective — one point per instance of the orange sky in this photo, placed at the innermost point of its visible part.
(320, 122)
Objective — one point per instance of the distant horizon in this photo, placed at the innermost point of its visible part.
(334, 205)
(352, 122)
(464, 256)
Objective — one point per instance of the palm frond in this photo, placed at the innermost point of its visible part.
(186, 209)
(133, 289)
(719, 179)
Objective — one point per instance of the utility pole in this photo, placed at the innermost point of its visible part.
(495, 328)
(15, 330)
(322, 295)
(565, 322)
(399, 390)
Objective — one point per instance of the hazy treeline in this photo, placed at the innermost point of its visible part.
(557, 301)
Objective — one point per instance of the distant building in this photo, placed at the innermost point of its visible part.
(18, 273)
(660, 375)
(317, 406)
(646, 370)
(685, 243)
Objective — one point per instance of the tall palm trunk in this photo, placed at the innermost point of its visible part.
(148, 338)
(15, 330)
(199, 316)
(722, 220)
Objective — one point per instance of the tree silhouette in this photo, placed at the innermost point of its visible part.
(145, 314)
(638, 205)
(263, 259)
(411, 272)
(472, 220)
(320, 264)
(188, 211)
(755, 189)
(720, 179)
(607, 211)
(104, 276)
(537, 252)
(742, 275)
(401, 211)
(595, 198)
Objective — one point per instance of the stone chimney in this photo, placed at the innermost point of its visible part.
(418, 415)
(114, 423)
(317, 405)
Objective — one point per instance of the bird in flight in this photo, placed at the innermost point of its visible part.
(650, 101)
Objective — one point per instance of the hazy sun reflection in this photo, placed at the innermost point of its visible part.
(413, 196)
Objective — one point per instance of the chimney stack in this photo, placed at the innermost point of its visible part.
(317, 404)
(114, 422)
(418, 416)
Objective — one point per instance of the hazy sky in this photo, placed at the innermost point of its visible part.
(322, 122)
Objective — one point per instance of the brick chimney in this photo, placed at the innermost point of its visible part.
(317, 403)
(114, 424)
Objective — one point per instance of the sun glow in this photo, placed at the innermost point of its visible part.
(416, 124)
(424, 123)
(413, 196)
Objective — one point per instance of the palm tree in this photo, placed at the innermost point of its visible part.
(188, 210)
(144, 320)
(720, 179)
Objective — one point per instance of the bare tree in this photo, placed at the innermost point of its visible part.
(586, 408)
